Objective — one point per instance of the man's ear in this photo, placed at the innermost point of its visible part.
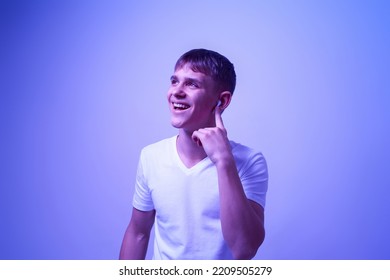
(225, 98)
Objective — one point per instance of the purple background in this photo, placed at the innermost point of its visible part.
(83, 89)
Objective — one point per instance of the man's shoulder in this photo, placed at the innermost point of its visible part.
(244, 153)
(159, 146)
(238, 148)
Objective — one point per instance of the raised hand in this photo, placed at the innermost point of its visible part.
(214, 140)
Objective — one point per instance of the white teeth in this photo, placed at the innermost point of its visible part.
(180, 106)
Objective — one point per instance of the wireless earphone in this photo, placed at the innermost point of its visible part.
(219, 103)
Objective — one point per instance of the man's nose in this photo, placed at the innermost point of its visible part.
(178, 91)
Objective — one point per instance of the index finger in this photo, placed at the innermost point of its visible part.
(218, 117)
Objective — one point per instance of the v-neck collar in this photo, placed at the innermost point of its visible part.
(198, 166)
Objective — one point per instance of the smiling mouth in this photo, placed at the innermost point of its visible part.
(180, 106)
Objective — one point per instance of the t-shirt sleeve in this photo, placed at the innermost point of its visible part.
(142, 199)
(255, 179)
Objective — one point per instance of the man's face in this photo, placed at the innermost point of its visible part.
(192, 98)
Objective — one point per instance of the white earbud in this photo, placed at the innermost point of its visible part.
(219, 103)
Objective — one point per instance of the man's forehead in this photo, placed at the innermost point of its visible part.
(187, 70)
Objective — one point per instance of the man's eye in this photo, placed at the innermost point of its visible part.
(192, 84)
(174, 82)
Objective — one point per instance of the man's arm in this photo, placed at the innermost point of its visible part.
(242, 220)
(136, 239)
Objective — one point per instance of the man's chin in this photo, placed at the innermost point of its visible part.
(177, 125)
(178, 122)
(183, 126)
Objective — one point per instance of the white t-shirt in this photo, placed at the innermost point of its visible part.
(186, 200)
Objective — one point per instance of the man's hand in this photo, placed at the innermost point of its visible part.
(242, 220)
(214, 140)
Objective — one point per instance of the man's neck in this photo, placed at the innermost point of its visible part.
(188, 150)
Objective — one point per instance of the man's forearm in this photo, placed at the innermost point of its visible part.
(242, 226)
(134, 246)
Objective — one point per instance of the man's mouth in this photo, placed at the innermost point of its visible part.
(180, 106)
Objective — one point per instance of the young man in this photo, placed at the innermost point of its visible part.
(205, 193)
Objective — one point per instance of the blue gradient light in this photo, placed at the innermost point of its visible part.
(83, 90)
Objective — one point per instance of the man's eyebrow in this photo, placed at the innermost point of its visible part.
(192, 80)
